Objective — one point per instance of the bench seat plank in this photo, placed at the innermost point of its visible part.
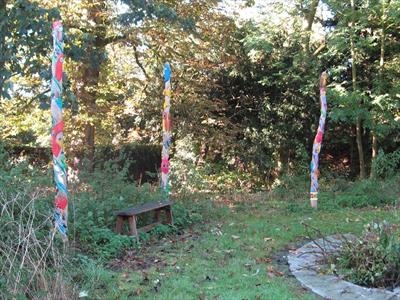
(136, 210)
(130, 214)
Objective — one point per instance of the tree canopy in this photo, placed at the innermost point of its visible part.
(245, 87)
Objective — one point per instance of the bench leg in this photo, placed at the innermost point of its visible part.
(156, 215)
(132, 226)
(168, 213)
(118, 226)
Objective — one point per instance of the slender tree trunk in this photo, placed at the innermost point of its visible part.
(282, 166)
(3, 46)
(354, 85)
(374, 149)
(374, 153)
(310, 20)
(89, 97)
(360, 148)
(91, 76)
(90, 143)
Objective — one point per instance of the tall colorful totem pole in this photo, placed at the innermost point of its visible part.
(166, 134)
(318, 141)
(57, 132)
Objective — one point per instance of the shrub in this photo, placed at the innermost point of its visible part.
(91, 209)
(386, 165)
(374, 259)
(140, 161)
(103, 243)
(100, 193)
(365, 193)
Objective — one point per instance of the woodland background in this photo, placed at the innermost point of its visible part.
(245, 83)
(245, 110)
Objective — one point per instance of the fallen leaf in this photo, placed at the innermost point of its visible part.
(263, 260)
(272, 272)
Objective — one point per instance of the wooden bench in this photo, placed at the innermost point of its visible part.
(130, 214)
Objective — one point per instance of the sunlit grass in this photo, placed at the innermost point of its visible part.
(237, 248)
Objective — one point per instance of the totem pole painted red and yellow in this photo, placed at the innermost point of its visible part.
(57, 132)
(166, 132)
(318, 141)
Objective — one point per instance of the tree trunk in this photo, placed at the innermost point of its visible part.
(282, 166)
(374, 149)
(91, 76)
(359, 138)
(310, 20)
(3, 46)
(360, 147)
(90, 144)
(374, 153)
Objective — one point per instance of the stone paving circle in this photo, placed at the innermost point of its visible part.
(306, 261)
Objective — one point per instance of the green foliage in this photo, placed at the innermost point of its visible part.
(292, 188)
(186, 214)
(32, 261)
(24, 32)
(366, 193)
(374, 259)
(26, 220)
(161, 230)
(90, 276)
(92, 218)
(4, 160)
(103, 243)
(273, 87)
(140, 162)
(337, 193)
(99, 194)
(387, 165)
(193, 174)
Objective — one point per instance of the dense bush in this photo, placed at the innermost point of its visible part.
(387, 165)
(374, 259)
(140, 161)
(97, 196)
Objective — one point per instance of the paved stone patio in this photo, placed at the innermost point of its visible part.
(306, 262)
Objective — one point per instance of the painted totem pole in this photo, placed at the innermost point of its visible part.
(166, 132)
(318, 141)
(59, 163)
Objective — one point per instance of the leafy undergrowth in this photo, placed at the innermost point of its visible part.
(373, 259)
(236, 249)
(222, 246)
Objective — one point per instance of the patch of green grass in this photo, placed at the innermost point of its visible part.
(235, 247)
(229, 246)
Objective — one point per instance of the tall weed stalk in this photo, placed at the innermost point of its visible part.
(31, 261)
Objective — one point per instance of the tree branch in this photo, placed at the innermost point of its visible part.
(139, 63)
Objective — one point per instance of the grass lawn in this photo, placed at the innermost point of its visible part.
(235, 249)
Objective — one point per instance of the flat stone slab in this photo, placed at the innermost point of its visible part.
(307, 262)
